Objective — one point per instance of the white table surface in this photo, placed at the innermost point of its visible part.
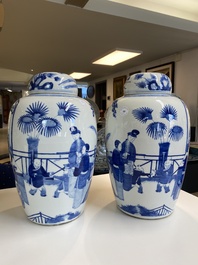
(101, 235)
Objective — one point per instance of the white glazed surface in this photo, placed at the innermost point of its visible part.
(53, 82)
(53, 200)
(120, 121)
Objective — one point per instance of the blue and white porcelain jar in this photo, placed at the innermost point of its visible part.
(52, 144)
(147, 140)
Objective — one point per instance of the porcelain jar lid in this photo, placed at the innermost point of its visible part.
(53, 83)
(147, 83)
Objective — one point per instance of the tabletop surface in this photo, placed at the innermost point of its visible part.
(101, 235)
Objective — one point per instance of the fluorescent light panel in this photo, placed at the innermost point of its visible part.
(116, 57)
(78, 75)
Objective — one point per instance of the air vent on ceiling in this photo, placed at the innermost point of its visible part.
(78, 3)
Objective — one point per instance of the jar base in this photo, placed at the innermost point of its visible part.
(53, 223)
(139, 216)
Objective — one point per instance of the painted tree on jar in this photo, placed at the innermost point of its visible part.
(159, 130)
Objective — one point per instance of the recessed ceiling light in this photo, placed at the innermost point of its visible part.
(78, 75)
(117, 56)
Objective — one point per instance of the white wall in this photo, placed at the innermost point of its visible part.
(186, 82)
(185, 79)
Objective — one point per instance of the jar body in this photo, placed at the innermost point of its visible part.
(147, 140)
(52, 141)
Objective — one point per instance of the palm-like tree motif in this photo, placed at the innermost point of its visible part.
(67, 110)
(35, 121)
(158, 130)
(143, 114)
(169, 112)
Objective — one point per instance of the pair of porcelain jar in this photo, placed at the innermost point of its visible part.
(53, 138)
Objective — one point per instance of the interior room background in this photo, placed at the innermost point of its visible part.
(185, 81)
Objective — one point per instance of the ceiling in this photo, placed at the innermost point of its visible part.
(51, 36)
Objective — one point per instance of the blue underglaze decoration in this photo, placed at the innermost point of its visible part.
(131, 169)
(176, 133)
(108, 136)
(20, 183)
(138, 76)
(46, 219)
(68, 83)
(143, 211)
(72, 169)
(38, 82)
(48, 126)
(57, 171)
(187, 128)
(156, 130)
(35, 120)
(51, 75)
(152, 83)
(93, 111)
(67, 110)
(37, 110)
(93, 128)
(143, 114)
(114, 107)
(169, 112)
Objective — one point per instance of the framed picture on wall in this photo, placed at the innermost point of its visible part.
(118, 86)
(167, 69)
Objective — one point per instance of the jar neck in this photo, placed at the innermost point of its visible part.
(146, 93)
(54, 93)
